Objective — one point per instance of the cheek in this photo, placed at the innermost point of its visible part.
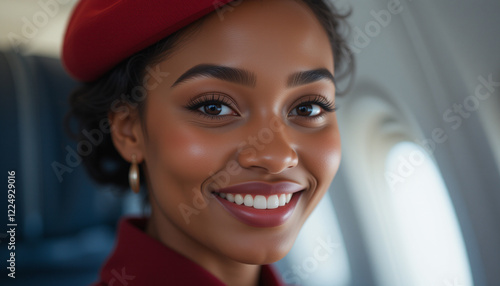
(179, 154)
(321, 154)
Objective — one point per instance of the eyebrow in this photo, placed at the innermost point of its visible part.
(310, 76)
(236, 75)
(244, 77)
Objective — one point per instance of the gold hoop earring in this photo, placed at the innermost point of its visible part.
(133, 176)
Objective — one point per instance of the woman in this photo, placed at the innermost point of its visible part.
(224, 112)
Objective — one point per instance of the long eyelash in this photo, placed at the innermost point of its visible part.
(325, 104)
(209, 98)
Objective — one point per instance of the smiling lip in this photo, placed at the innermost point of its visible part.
(261, 217)
(261, 188)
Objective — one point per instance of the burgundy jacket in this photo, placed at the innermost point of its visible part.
(139, 259)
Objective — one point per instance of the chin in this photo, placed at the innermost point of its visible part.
(263, 253)
(264, 245)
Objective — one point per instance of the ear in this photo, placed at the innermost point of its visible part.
(127, 133)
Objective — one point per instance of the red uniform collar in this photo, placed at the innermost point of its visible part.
(139, 259)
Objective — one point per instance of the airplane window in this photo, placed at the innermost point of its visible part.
(430, 245)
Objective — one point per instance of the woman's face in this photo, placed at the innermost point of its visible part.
(245, 110)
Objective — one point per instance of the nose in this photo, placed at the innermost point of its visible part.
(270, 151)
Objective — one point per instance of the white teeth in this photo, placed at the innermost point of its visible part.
(259, 202)
(230, 197)
(282, 200)
(238, 199)
(248, 201)
(273, 202)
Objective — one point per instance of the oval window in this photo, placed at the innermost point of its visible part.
(430, 244)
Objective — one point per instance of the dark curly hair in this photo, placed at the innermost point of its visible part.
(91, 102)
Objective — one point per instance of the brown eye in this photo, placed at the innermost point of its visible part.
(216, 109)
(308, 110)
(213, 109)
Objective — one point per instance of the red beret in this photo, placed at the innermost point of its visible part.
(102, 33)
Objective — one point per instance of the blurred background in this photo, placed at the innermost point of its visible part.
(415, 202)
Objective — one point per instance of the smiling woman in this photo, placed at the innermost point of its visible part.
(226, 118)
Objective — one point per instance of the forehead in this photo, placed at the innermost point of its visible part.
(262, 36)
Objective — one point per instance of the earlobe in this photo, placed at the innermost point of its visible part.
(126, 133)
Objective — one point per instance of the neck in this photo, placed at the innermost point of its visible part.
(228, 271)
